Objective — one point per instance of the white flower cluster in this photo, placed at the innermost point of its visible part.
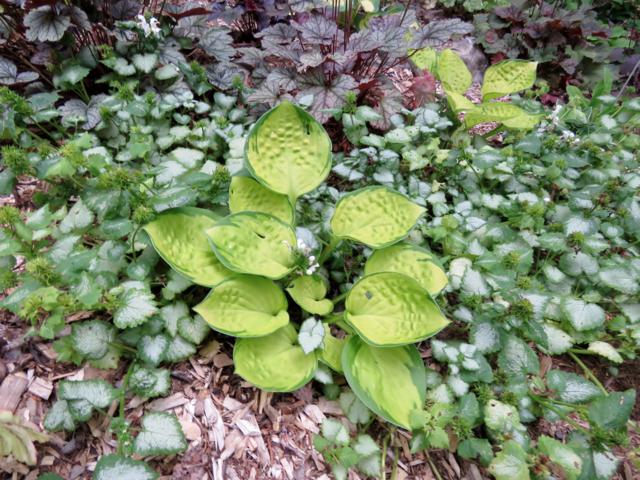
(554, 123)
(150, 28)
(311, 259)
(305, 250)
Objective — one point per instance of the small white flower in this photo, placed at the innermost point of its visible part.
(150, 28)
(154, 25)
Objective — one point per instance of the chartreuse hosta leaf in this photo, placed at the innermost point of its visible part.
(275, 363)
(413, 261)
(247, 195)
(309, 292)
(110, 467)
(507, 77)
(245, 306)
(390, 381)
(288, 151)
(254, 243)
(331, 353)
(178, 236)
(499, 112)
(375, 216)
(390, 309)
(452, 72)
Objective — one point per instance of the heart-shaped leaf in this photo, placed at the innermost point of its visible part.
(390, 381)
(122, 468)
(388, 309)
(375, 216)
(274, 363)
(288, 151)
(414, 262)
(248, 195)
(145, 62)
(161, 434)
(195, 329)
(311, 335)
(582, 316)
(178, 235)
(245, 306)
(9, 73)
(254, 243)
(151, 348)
(92, 339)
(309, 292)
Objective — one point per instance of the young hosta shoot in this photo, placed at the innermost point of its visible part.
(255, 254)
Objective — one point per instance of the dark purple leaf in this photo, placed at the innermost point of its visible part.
(325, 96)
(317, 30)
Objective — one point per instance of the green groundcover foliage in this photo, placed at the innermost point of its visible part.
(425, 277)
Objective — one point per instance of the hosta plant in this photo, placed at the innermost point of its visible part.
(271, 291)
(500, 80)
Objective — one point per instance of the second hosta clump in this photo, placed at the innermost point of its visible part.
(258, 262)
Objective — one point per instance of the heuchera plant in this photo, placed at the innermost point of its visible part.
(254, 255)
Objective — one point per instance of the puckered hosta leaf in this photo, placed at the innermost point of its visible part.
(248, 195)
(46, 24)
(570, 387)
(459, 102)
(97, 392)
(59, 417)
(390, 381)
(274, 363)
(288, 151)
(151, 348)
(605, 350)
(524, 121)
(507, 77)
(375, 216)
(309, 293)
(311, 335)
(161, 434)
(413, 261)
(110, 467)
(135, 307)
(517, 359)
(254, 243)
(179, 237)
(582, 316)
(79, 217)
(150, 382)
(492, 112)
(93, 338)
(389, 309)
(245, 306)
(452, 72)
(425, 58)
(561, 455)
(510, 463)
